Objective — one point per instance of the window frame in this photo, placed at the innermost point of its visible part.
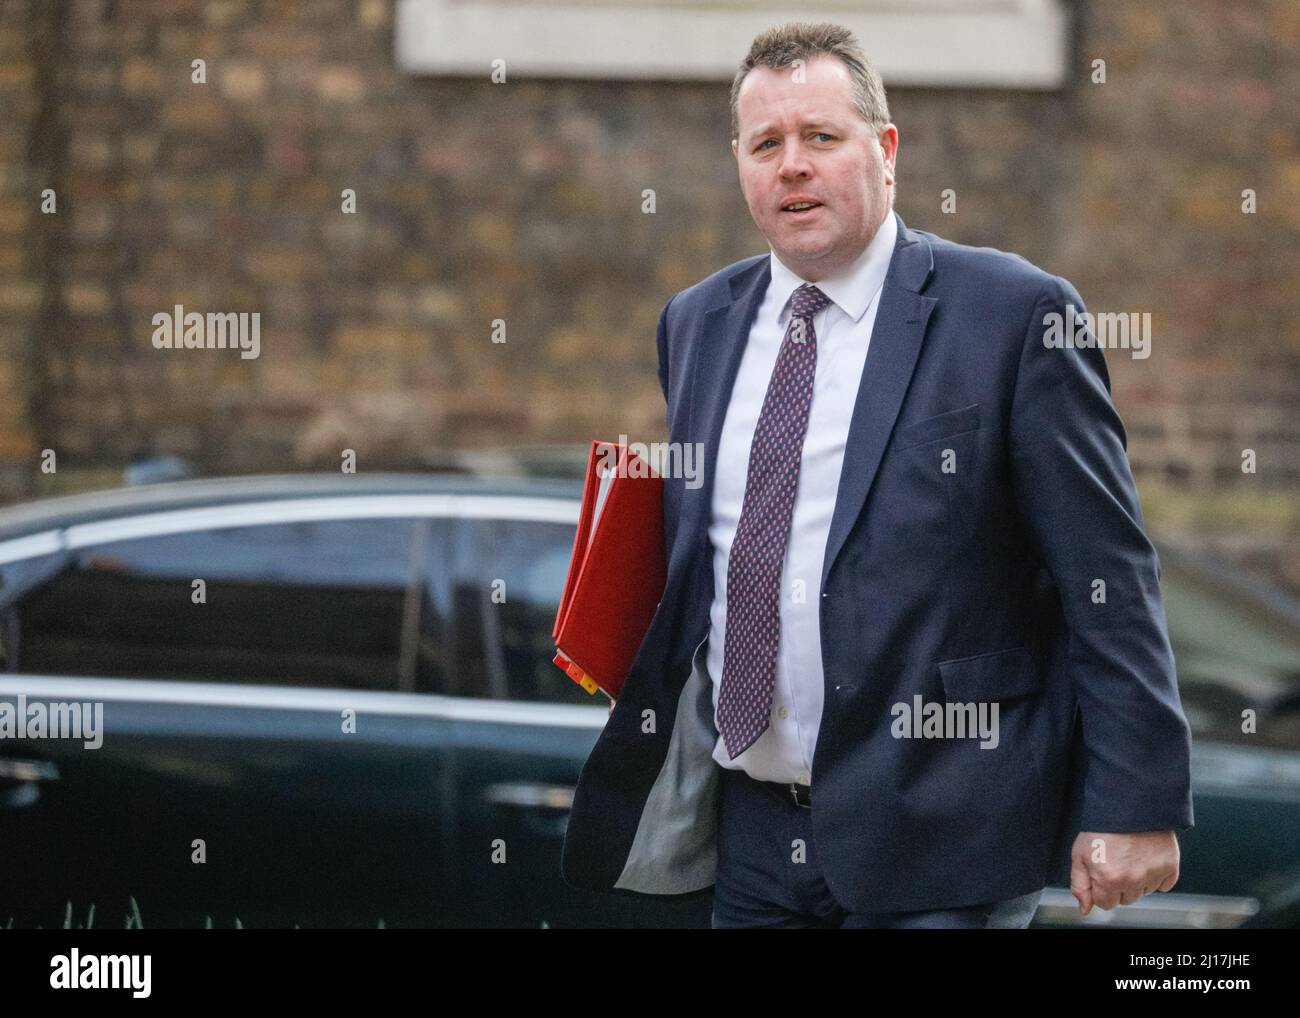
(59, 543)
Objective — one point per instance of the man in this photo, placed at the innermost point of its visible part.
(937, 674)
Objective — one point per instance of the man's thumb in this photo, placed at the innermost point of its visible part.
(1081, 884)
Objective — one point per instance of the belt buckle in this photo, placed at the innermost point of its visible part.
(794, 793)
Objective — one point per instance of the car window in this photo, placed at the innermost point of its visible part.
(1232, 656)
(524, 562)
(17, 578)
(329, 603)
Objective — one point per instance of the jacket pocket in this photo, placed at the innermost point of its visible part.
(944, 425)
(999, 675)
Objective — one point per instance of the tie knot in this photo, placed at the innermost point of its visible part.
(807, 301)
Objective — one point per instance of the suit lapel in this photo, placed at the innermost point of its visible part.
(713, 374)
(896, 337)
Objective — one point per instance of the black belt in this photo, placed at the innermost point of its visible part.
(801, 795)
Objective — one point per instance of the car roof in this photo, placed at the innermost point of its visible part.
(45, 514)
(1226, 580)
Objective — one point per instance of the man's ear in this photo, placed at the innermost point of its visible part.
(888, 141)
(735, 149)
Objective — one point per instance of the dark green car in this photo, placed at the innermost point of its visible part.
(329, 701)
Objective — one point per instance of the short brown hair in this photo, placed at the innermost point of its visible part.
(800, 40)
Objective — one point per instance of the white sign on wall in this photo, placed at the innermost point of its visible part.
(951, 43)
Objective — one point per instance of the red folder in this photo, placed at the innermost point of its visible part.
(617, 572)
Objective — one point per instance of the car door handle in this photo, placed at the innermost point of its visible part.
(27, 771)
(529, 795)
(20, 779)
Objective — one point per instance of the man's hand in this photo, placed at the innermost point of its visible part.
(1117, 869)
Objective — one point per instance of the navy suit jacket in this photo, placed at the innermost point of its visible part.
(971, 583)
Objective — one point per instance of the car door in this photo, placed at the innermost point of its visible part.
(1238, 661)
(1239, 680)
(266, 755)
(527, 729)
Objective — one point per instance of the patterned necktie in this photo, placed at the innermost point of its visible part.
(753, 630)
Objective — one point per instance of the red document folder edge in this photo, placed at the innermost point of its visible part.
(616, 574)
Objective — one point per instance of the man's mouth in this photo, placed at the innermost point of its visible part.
(801, 209)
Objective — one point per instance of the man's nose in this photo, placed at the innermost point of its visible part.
(794, 160)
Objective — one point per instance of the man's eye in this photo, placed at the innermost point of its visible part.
(772, 140)
(823, 134)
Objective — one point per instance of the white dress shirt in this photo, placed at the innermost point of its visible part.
(843, 328)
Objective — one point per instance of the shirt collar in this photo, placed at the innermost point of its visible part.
(854, 286)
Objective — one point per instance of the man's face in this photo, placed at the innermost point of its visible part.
(806, 140)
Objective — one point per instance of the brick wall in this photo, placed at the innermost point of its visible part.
(522, 202)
